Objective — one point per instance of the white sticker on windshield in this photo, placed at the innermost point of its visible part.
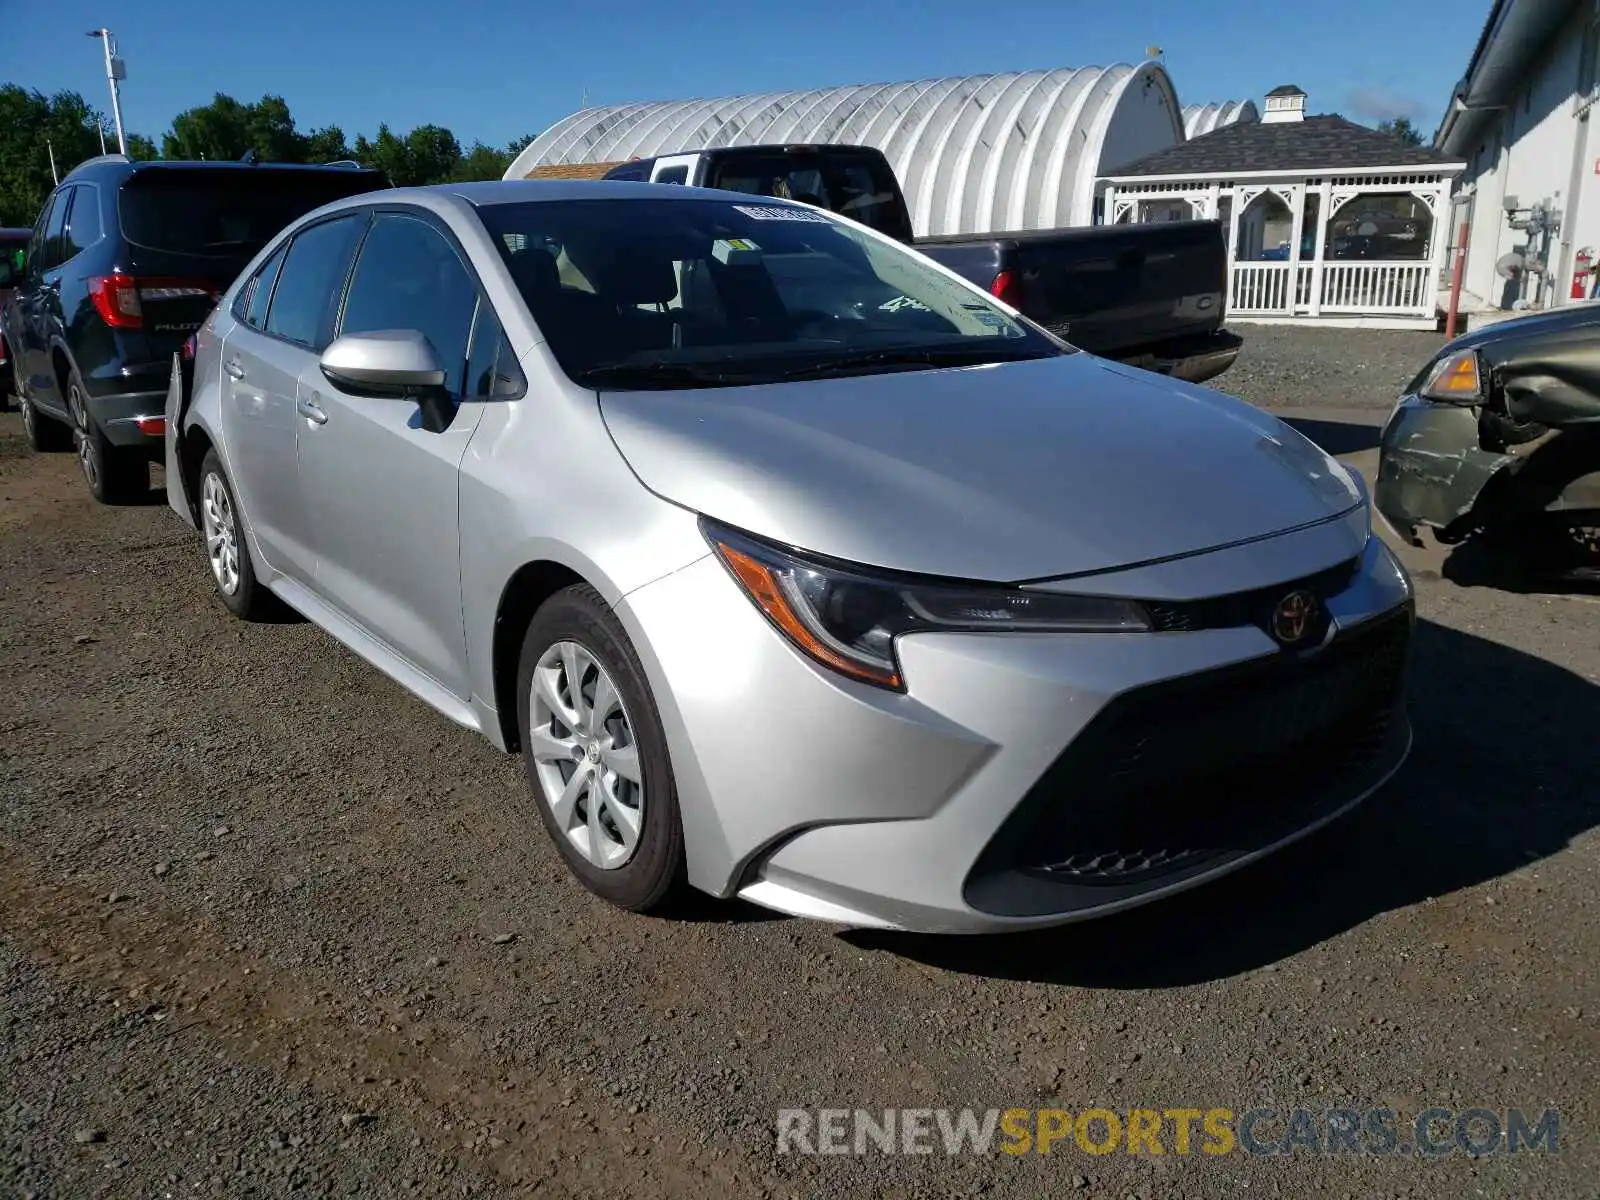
(784, 212)
(900, 302)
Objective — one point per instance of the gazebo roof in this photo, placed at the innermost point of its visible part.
(1328, 143)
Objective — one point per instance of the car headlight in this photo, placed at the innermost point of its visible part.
(1454, 379)
(848, 620)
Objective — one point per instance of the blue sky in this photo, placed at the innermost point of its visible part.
(497, 70)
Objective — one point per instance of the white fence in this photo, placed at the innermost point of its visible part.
(1368, 288)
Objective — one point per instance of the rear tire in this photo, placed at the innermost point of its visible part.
(233, 574)
(115, 474)
(597, 766)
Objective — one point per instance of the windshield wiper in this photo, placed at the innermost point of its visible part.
(657, 375)
(914, 356)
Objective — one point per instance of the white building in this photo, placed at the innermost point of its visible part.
(1203, 118)
(1520, 119)
(1326, 221)
(975, 154)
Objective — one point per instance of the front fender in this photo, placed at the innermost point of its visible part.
(1431, 468)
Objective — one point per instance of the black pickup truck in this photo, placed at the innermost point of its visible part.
(1149, 295)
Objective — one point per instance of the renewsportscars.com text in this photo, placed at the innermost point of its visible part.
(1432, 1133)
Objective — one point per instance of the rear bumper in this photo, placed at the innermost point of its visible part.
(131, 418)
(1193, 359)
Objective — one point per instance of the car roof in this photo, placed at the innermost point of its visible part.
(522, 191)
(115, 164)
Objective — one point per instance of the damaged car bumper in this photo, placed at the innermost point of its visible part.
(1431, 467)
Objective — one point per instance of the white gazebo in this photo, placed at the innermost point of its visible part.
(1328, 222)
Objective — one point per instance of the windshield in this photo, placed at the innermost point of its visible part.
(227, 213)
(685, 293)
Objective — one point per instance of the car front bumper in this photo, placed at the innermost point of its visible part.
(1431, 468)
(1022, 780)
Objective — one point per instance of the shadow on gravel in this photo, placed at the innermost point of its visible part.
(1472, 564)
(1339, 437)
(698, 908)
(1503, 771)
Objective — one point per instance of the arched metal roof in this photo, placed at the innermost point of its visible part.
(973, 154)
(1203, 118)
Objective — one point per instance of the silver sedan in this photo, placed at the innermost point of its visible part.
(795, 567)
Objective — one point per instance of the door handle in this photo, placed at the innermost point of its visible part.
(308, 408)
(234, 370)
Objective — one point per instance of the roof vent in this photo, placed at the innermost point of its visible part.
(1285, 103)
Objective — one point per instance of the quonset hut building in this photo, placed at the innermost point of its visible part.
(1199, 119)
(974, 154)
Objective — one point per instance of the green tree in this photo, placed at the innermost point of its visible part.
(432, 153)
(141, 148)
(32, 125)
(326, 145)
(481, 162)
(1401, 128)
(225, 130)
(428, 154)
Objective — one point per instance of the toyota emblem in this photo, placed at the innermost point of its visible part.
(1294, 617)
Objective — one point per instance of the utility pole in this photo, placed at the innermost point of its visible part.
(116, 71)
(100, 128)
(55, 177)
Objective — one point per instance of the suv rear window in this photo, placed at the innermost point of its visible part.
(228, 213)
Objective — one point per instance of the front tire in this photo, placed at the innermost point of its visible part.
(227, 552)
(44, 435)
(115, 474)
(595, 753)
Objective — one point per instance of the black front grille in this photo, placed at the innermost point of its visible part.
(1173, 776)
(1238, 609)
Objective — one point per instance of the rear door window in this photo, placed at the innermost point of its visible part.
(310, 280)
(83, 221)
(253, 309)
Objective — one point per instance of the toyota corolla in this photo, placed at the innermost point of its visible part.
(795, 567)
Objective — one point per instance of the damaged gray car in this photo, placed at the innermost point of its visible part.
(1498, 438)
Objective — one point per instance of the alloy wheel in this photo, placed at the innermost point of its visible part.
(88, 452)
(221, 533)
(585, 756)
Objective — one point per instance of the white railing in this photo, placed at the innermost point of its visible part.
(1260, 287)
(1378, 287)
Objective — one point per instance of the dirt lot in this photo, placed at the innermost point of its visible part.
(267, 924)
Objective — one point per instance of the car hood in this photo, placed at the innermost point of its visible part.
(1026, 470)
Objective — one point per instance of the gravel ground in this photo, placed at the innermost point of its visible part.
(267, 923)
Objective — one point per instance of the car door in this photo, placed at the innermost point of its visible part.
(284, 326)
(38, 287)
(379, 474)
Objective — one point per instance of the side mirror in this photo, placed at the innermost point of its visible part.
(387, 362)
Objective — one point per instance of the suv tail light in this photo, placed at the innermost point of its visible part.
(1007, 287)
(119, 298)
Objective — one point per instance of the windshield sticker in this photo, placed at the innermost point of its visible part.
(900, 302)
(736, 252)
(775, 212)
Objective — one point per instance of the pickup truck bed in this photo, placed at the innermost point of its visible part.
(1149, 295)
